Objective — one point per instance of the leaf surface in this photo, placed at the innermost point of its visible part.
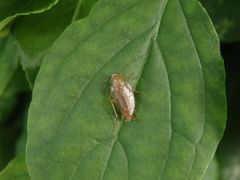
(170, 51)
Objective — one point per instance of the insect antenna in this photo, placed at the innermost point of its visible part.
(134, 60)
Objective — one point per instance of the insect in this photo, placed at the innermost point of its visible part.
(122, 96)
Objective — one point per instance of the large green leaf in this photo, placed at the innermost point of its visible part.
(171, 52)
(43, 29)
(9, 9)
(225, 16)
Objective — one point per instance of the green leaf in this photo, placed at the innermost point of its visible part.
(225, 16)
(7, 137)
(21, 143)
(16, 169)
(10, 9)
(171, 52)
(11, 144)
(12, 103)
(8, 68)
(8, 62)
(43, 29)
(12, 82)
(6, 106)
(212, 172)
(13, 87)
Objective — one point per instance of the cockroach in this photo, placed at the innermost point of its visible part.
(122, 96)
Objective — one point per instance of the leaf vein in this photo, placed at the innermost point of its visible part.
(203, 77)
(82, 157)
(170, 112)
(127, 160)
(113, 144)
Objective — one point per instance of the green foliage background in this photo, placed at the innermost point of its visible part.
(170, 51)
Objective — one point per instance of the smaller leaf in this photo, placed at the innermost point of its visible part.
(8, 68)
(21, 142)
(13, 104)
(51, 24)
(8, 62)
(15, 86)
(9, 9)
(16, 169)
(7, 138)
(6, 106)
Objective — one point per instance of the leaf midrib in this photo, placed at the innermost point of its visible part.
(153, 38)
(203, 78)
(203, 83)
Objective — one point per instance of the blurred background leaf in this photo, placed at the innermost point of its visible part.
(12, 121)
(14, 94)
(212, 172)
(9, 9)
(229, 148)
(16, 170)
(226, 18)
(8, 61)
(43, 29)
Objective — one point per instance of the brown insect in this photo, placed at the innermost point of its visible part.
(122, 96)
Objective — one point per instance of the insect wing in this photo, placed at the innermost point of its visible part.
(129, 99)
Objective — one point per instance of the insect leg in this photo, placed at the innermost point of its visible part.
(136, 91)
(114, 109)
